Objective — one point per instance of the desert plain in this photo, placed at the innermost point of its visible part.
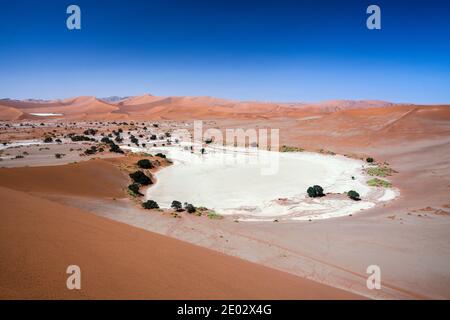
(65, 199)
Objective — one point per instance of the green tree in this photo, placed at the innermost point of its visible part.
(150, 204)
(141, 178)
(145, 164)
(176, 205)
(189, 207)
(352, 194)
(315, 191)
(134, 187)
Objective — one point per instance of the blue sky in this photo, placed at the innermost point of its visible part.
(247, 49)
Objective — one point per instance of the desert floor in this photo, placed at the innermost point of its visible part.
(53, 214)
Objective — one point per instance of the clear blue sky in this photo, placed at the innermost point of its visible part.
(247, 49)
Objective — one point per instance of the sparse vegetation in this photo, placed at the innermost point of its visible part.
(214, 215)
(134, 188)
(134, 140)
(352, 194)
(375, 182)
(106, 140)
(150, 204)
(315, 191)
(176, 205)
(189, 207)
(291, 149)
(91, 132)
(378, 171)
(145, 164)
(323, 151)
(59, 155)
(141, 178)
(80, 138)
(92, 150)
(115, 148)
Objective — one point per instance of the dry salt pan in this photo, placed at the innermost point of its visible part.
(234, 181)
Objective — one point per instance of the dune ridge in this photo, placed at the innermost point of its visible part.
(150, 107)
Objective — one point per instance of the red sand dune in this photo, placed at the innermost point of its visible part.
(94, 178)
(40, 238)
(188, 108)
(138, 100)
(9, 113)
(78, 107)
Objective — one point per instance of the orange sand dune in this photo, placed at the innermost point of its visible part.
(8, 113)
(70, 108)
(139, 100)
(148, 107)
(344, 130)
(29, 104)
(94, 178)
(40, 238)
(172, 107)
(80, 105)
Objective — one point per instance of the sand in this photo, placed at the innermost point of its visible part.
(39, 239)
(407, 237)
(96, 178)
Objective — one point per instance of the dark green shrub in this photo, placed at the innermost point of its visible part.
(189, 207)
(141, 178)
(81, 138)
(90, 151)
(176, 205)
(48, 140)
(369, 160)
(315, 191)
(115, 148)
(134, 187)
(106, 140)
(161, 155)
(145, 164)
(150, 204)
(352, 194)
(134, 140)
(91, 132)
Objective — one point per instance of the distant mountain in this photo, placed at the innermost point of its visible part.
(114, 99)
